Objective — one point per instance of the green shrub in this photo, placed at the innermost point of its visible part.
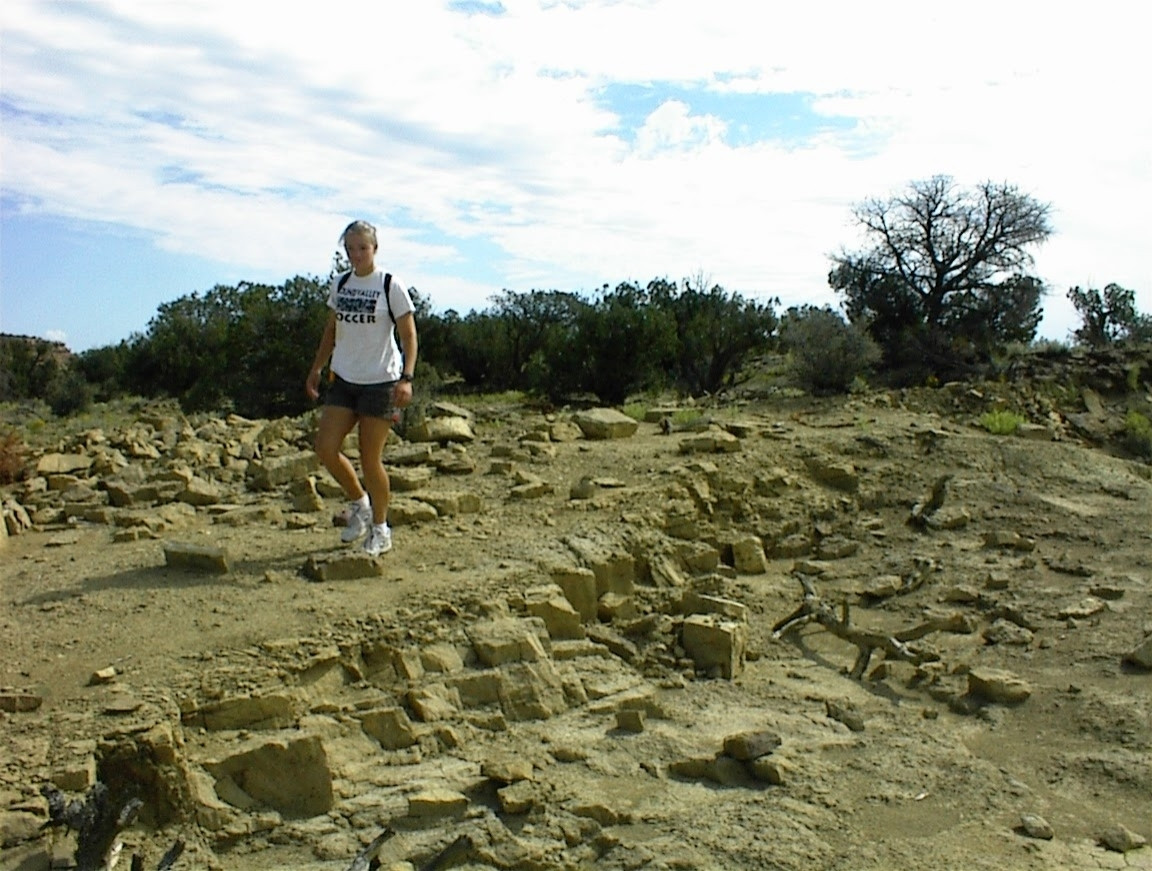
(1132, 378)
(1052, 347)
(828, 354)
(1138, 434)
(635, 410)
(68, 393)
(1001, 422)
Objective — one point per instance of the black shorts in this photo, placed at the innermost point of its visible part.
(367, 400)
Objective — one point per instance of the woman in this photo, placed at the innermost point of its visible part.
(369, 382)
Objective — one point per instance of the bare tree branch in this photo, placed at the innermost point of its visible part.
(894, 645)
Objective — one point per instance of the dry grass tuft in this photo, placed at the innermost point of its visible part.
(12, 458)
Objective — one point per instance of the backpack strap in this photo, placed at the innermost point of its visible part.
(387, 290)
(388, 295)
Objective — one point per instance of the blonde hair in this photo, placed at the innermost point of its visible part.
(359, 228)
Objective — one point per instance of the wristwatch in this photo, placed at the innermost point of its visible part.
(406, 377)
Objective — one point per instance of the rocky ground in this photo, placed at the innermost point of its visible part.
(579, 653)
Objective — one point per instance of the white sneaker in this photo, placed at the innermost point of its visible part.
(359, 519)
(379, 540)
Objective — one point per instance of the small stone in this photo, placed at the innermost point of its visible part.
(996, 685)
(1008, 540)
(507, 769)
(517, 798)
(16, 827)
(630, 721)
(196, 557)
(747, 746)
(102, 676)
(1083, 609)
(1141, 655)
(19, 703)
(883, 586)
(1121, 839)
(845, 714)
(120, 704)
(1035, 826)
(437, 803)
(1007, 632)
(768, 769)
(996, 582)
(585, 488)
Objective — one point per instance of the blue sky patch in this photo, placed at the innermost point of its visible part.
(477, 7)
(750, 118)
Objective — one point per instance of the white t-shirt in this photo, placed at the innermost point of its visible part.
(366, 351)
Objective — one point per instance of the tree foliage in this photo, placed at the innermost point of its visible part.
(1108, 317)
(943, 277)
(40, 369)
(625, 340)
(247, 348)
(827, 353)
(28, 366)
(243, 348)
(716, 332)
(617, 345)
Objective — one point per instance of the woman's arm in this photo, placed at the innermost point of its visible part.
(406, 330)
(323, 355)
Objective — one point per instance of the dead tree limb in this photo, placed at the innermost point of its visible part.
(923, 510)
(96, 821)
(910, 581)
(364, 862)
(894, 645)
(169, 858)
(98, 825)
(457, 853)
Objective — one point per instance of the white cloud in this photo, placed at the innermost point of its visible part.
(673, 126)
(250, 136)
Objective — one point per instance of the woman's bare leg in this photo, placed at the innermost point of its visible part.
(335, 424)
(373, 436)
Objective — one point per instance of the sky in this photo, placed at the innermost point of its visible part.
(151, 150)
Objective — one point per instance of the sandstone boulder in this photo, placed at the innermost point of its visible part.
(605, 423)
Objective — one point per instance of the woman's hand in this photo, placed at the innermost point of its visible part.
(402, 394)
(312, 385)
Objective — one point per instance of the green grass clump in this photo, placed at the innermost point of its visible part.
(639, 410)
(1138, 434)
(686, 415)
(1001, 422)
(1132, 379)
(635, 410)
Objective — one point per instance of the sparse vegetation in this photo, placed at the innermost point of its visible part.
(1132, 378)
(68, 393)
(1138, 434)
(1109, 316)
(684, 416)
(635, 409)
(12, 458)
(1001, 422)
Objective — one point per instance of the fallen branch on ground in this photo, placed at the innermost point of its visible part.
(894, 645)
(367, 859)
(98, 824)
(923, 510)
